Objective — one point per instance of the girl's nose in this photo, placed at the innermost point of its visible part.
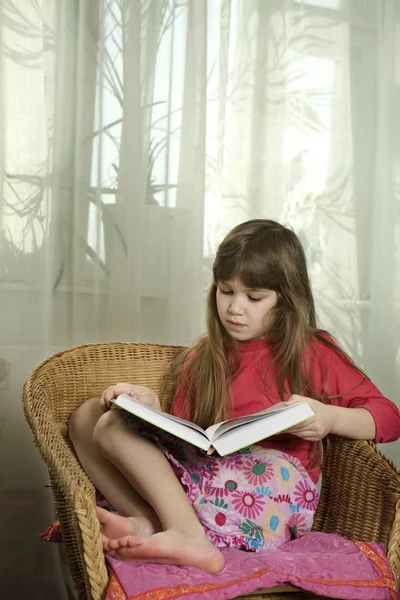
(235, 307)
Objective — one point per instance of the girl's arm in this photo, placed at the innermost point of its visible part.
(356, 409)
(354, 423)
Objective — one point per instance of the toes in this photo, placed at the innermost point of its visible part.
(114, 544)
(124, 542)
(132, 542)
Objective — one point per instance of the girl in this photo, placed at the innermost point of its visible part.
(176, 505)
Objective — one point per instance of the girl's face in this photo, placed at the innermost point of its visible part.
(245, 313)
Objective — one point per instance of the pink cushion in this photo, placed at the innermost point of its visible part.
(321, 563)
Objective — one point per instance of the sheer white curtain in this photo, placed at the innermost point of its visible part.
(135, 133)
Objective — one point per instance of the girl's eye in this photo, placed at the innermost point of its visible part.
(226, 292)
(254, 299)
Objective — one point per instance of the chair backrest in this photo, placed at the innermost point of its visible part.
(73, 376)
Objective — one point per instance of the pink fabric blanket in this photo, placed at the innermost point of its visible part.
(321, 563)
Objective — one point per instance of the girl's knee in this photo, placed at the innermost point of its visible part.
(106, 427)
(83, 420)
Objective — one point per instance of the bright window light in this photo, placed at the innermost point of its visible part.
(333, 4)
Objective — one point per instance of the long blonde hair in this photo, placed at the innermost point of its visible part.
(266, 255)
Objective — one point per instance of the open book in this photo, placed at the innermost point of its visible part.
(225, 437)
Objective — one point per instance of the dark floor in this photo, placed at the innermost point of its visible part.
(30, 569)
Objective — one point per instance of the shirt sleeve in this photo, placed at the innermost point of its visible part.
(347, 387)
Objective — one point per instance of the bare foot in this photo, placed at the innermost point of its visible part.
(114, 526)
(168, 547)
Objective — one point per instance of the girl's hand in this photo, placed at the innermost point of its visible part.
(139, 392)
(317, 427)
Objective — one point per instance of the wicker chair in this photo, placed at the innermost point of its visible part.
(360, 496)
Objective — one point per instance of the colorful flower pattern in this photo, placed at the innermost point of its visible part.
(296, 526)
(220, 519)
(254, 499)
(263, 490)
(273, 523)
(257, 471)
(233, 461)
(295, 462)
(226, 481)
(219, 502)
(249, 504)
(252, 530)
(283, 498)
(286, 475)
(305, 495)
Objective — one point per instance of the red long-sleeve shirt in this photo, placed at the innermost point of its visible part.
(254, 388)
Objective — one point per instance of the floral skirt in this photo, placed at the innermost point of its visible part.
(254, 499)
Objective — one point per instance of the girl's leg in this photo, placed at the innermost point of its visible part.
(107, 479)
(183, 540)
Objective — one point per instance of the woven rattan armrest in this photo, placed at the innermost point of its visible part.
(360, 496)
(74, 497)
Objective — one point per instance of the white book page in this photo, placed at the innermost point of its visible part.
(164, 414)
(253, 432)
(184, 422)
(179, 427)
(218, 429)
